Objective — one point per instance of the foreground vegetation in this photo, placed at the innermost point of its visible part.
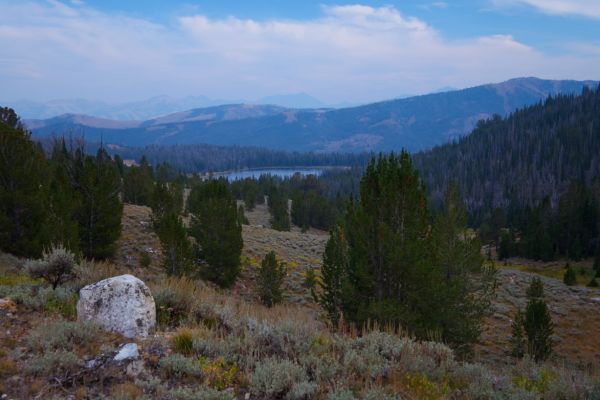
(210, 345)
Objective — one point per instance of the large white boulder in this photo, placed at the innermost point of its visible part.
(120, 304)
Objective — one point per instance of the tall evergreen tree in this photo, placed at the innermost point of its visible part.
(63, 199)
(390, 258)
(217, 230)
(138, 184)
(271, 275)
(278, 207)
(389, 264)
(176, 247)
(99, 185)
(464, 286)
(166, 198)
(334, 275)
(23, 190)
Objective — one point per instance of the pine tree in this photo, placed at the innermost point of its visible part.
(517, 341)
(241, 216)
(597, 260)
(271, 275)
(138, 184)
(463, 285)
(99, 185)
(176, 248)
(166, 198)
(217, 230)
(538, 324)
(63, 199)
(535, 289)
(333, 275)
(506, 247)
(23, 190)
(278, 207)
(570, 277)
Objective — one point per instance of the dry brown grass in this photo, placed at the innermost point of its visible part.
(137, 237)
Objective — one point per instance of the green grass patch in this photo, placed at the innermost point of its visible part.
(13, 280)
(553, 271)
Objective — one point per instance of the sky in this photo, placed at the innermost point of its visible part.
(338, 52)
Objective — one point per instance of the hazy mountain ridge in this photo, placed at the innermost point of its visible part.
(415, 123)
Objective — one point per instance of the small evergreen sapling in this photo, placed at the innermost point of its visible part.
(538, 324)
(597, 261)
(517, 340)
(570, 277)
(270, 279)
(593, 282)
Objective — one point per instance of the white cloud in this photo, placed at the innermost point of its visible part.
(349, 53)
(584, 8)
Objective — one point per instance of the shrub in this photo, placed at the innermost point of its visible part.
(61, 335)
(379, 394)
(593, 282)
(178, 366)
(145, 259)
(302, 391)
(343, 394)
(55, 362)
(8, 367)
(60, 300)
(56, 266)
(200, 393)
(183, 342)
(126, 391)
(217, 373)
(274, 379)
(152, 386)
(172, 305)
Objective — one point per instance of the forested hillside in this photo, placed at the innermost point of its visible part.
(533, 153)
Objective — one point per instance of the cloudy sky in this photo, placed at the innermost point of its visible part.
(335, 51)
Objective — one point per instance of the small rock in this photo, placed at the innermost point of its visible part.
(247, 396)
(129, 351)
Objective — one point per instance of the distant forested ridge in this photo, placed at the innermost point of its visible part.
(205, 157)
(518, 161)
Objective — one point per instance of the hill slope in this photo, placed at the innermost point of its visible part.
(533, 153)
(415, 123)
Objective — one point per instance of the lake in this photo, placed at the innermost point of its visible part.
(281, 172)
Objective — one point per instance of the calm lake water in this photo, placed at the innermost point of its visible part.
(281, 172)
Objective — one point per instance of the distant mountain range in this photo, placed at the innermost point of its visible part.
(153, 107)
(414, 123)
